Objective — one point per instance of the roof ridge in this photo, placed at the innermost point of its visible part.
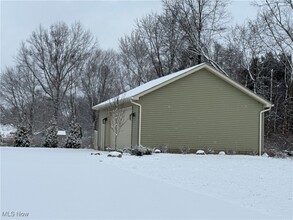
(152, 85)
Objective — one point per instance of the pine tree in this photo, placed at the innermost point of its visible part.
(51, 135)
(21, 138)
(74, 135)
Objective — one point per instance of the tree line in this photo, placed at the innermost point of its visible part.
(60, 72)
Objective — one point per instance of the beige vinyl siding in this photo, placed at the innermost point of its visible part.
(200, 111)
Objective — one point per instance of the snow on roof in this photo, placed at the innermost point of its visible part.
(135, 93)
(147, 86)
(60, 132)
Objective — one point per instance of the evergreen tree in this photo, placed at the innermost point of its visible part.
(21, 138)
(51, 135)
(74, 135)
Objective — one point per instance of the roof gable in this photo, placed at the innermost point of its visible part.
(136, 93)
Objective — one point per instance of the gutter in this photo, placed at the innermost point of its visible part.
(139, 121)
(260, 127)
(108, 103)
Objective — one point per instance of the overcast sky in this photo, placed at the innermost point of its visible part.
(108, 20)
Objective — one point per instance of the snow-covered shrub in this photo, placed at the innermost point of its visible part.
(51, 135)
(74, 136)
(184, 149)
(148, 152)
(136, 152)
(200, 152)
(222, 153)
(140, 151)
(21, 138)
(265, 155)
(115, 154)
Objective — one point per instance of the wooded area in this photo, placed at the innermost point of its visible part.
(60, 72)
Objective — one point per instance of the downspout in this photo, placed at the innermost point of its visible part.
(260, 128)
(139, 120)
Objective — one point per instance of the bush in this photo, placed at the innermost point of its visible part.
(115, 154)
(148, 152)
(51, 135)
(140, 151)
(136, 152)
(21, 137)
(74, 136)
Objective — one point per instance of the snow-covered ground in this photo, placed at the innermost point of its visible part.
(73, 184)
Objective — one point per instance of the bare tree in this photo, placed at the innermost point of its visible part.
(245, 38)
(54, 56)
(164, 41)
(151, 33)
(100, 79)
(154, 49)
(276, 30)
(135, 60)
(230, 58)
(117, 116)
(201, 21)
(18, 90)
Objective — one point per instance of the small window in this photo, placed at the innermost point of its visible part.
(104, 120)
(132, 115)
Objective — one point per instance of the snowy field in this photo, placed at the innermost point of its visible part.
(39, 183)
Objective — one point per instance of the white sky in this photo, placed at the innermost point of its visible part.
(107, 20)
